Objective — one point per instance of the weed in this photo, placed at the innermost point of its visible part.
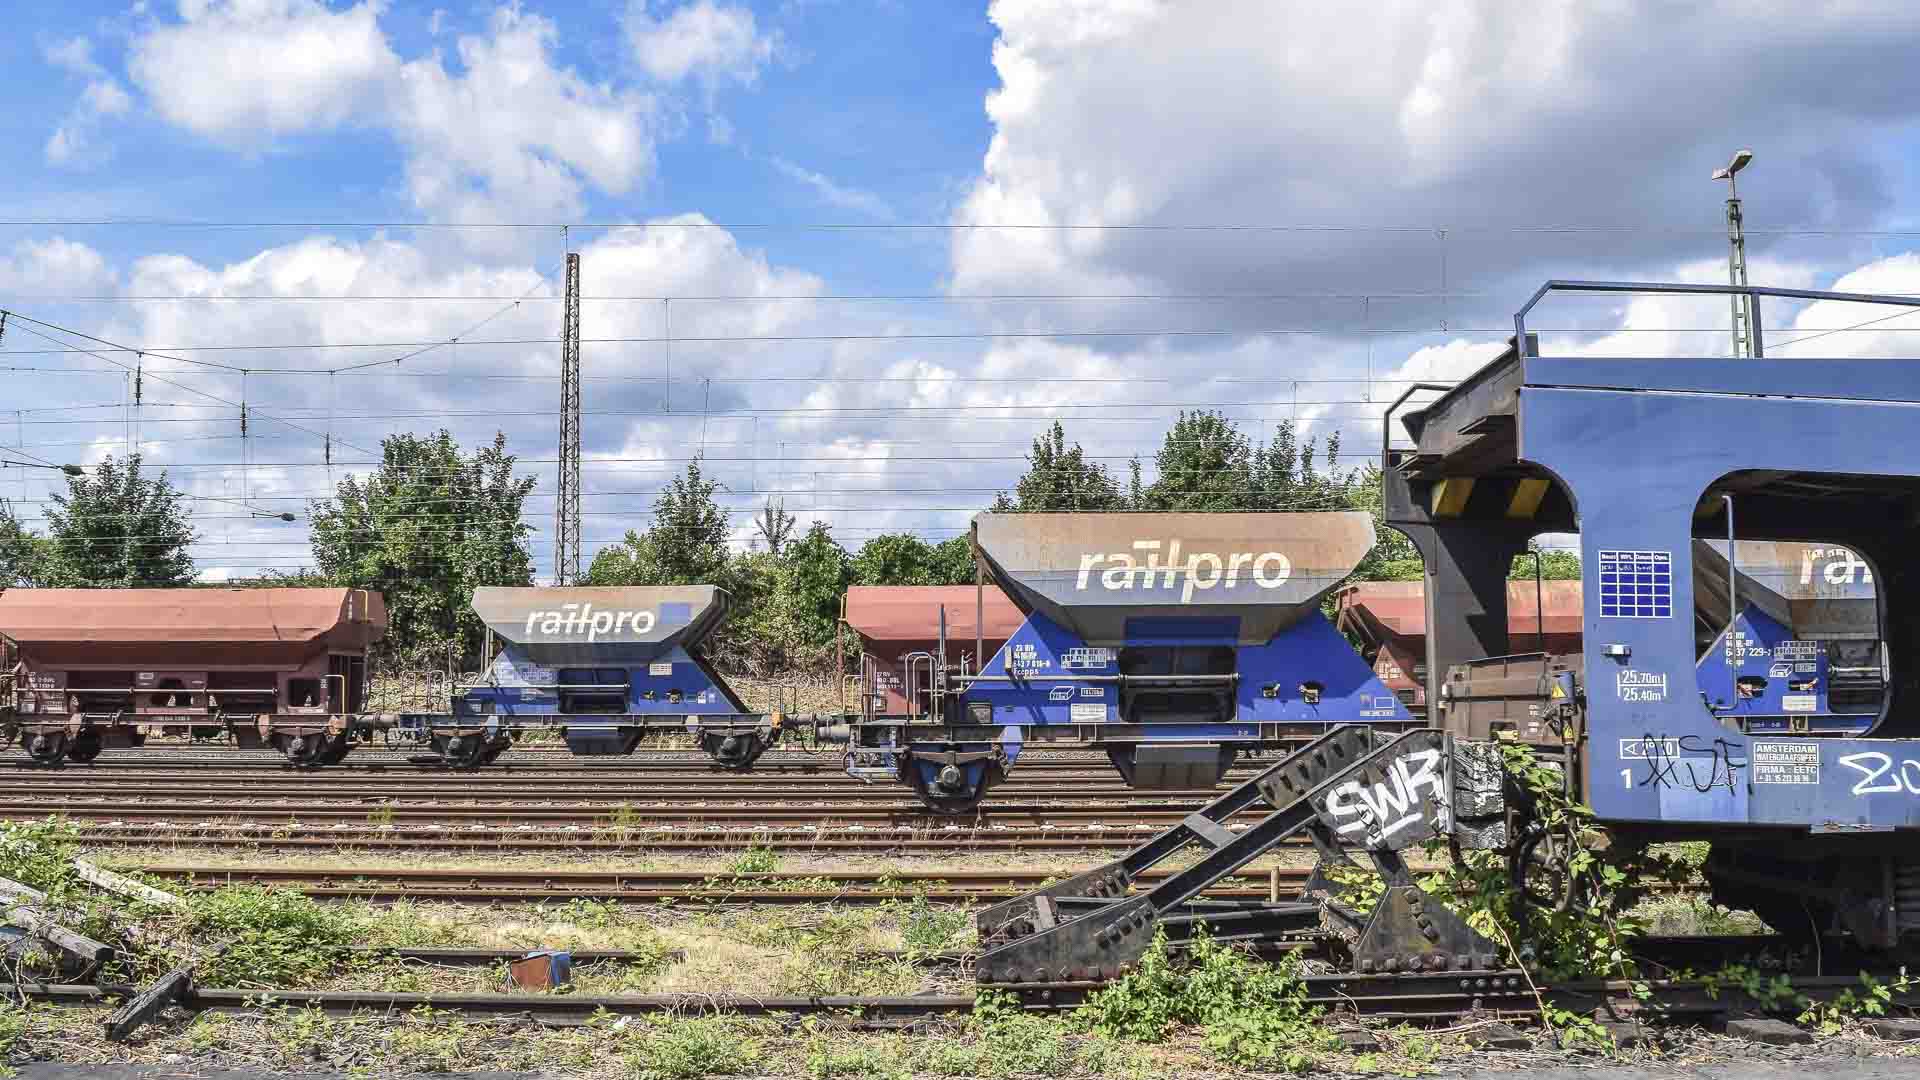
(429, 1041)
(1252, 1015)
(593, 914)
(831, 1055)
(675, 1048)
(381, 817)
(1872, 1000)
(272, 937)
(39, 854)
(929, 929)
(13, 1024)
(754, 860)
(300, 1034)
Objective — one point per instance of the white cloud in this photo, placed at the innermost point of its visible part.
(834, 194)
(1126, 112)
(72, 142)
(244, 71)
(506, 132)
(548, 130)
(75, 54)
(708, 42)
(55, 265)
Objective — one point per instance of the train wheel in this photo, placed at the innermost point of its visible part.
(461, 751)
(48, 748)
(495, 749)
(302, 751)
(85, 747)
(736, 751)
(336, 751)
(946, 792)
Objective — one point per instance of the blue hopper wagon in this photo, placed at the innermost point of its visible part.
(1174, 642)
(604, 666)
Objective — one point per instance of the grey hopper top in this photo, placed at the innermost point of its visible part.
(585, 625)
(1092, 573)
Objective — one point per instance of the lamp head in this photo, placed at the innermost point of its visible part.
(1740, 159)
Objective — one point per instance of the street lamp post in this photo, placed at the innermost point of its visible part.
(1743, 306)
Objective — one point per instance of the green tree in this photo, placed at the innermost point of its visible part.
(774, 524)
(1204, 464)
(686, 545)
(952, 562)
(816, 574)
(905, 559)
(787, 605)
(1555, 564)
(1393, 557)
(22, 551)
(1060, 477)
(426, 528)
(116, 528)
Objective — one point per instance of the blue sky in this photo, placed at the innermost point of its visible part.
(1012, 177)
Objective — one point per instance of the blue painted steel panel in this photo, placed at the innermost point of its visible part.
(1790, 679)
(1637, 465)
(1268, 689)
(527, 688)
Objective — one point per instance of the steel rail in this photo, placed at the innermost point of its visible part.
(1425, 998)
(79, 808)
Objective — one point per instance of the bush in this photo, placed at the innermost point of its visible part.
(272, 937)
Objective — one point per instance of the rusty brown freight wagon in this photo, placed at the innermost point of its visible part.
(88, 669)
(899, 629)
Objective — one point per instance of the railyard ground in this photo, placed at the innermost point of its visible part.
(701, 951)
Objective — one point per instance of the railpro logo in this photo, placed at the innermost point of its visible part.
(1147, 566)
(575, 619)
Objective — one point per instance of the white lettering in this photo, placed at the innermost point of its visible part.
(1151, 565)
(1208, 561)
(1086, 568)
(1279, 578)
(1234, 562)
(584, 620)
(1383, 809)
(1872, 765)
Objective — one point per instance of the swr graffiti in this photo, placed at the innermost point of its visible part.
(1385, 808)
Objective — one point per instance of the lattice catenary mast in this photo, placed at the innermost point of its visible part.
(566, 525)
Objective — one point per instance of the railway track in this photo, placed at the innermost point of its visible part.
(482, 839)
(642, 886)
(1423, 998)
(748, 810)
(502, 886)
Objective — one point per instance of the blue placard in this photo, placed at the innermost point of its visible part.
(1636, 584)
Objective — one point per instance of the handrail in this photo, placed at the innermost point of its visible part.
(1751, 292)
(1386, 422)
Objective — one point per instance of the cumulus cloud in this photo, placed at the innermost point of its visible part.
(505, 132)
(1453, 118)
(245, 71)
(703, 41)
(54, 265)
